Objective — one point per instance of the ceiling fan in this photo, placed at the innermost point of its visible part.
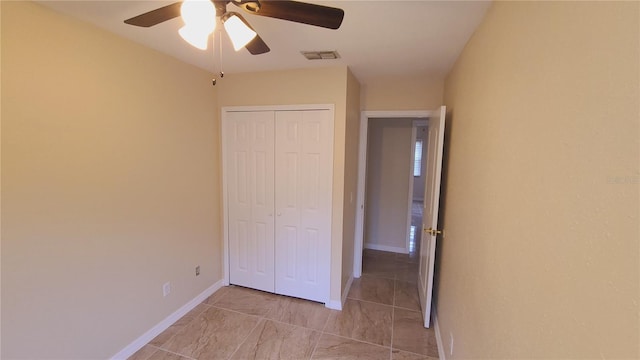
(200, 19)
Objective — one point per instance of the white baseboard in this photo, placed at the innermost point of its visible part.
(436, 329)
(337, 305)
(334, 305)
(394, 249)
(138, 343)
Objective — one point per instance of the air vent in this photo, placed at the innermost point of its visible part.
(321, 55)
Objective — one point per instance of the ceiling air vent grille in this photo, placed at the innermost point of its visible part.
(321, 55)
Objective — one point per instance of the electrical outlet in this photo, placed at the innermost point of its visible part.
(197, 270)
(450, 343)
(166, 289)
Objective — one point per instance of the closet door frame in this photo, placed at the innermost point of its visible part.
(225, 170)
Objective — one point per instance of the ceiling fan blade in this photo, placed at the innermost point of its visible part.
(257, 46)
(155, 17)
(305, 13)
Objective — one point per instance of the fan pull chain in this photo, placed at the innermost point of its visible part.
(213, 50)
(220, 45)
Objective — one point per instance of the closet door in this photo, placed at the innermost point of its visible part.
(250, 189)
(304, 175)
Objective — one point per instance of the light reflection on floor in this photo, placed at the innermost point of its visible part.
(416, 227)
(412, 239)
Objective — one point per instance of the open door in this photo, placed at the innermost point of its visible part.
(430, 232)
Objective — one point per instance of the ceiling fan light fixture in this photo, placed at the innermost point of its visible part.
(199, 13)
(200, 21)
(238, 30)
(194, 36)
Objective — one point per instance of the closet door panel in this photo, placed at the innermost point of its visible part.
(304, 169)
(251, 199)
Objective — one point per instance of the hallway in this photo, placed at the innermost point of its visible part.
(391, 279)
(398, 266)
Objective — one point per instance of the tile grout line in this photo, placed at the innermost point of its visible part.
(294, 325)
(351, 338)
(260, 318)
(221, 296)
(237, 312)
(415, 353)
(175, 353)
(245, 339)
(357, 340)
(407, 309)
(371, 302)
(320, 337)
(297, 326)
(148, 356)
(195, 316)
(393, 313)
(266, 318)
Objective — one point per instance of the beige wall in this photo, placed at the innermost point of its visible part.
(540, 258)
(352, 136)
(110, 186)
(387, 184)
(402, 93)
(292, 87)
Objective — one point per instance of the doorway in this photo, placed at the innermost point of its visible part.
(412, 227)
(388, 184)
(429, 229)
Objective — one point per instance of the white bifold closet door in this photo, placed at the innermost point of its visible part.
(251, 199)
(280, 202)
(304, 168)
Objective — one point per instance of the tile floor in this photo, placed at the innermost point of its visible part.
(381, 319)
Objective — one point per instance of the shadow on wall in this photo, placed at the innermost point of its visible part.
(443, 201)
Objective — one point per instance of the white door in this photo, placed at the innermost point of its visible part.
(433, 173)
(304, 173)
(250, 192)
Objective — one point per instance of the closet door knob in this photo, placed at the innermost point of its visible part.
(279, 214)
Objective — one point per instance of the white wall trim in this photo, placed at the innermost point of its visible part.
(436, 329)
(334, 305)
(225, 198)
(150, 334)
(358, 242)
(360, 192)
(394, 249)
(338, 305)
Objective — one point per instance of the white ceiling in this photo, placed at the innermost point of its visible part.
(376, 39)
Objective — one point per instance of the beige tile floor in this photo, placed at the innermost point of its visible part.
(381, 319)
